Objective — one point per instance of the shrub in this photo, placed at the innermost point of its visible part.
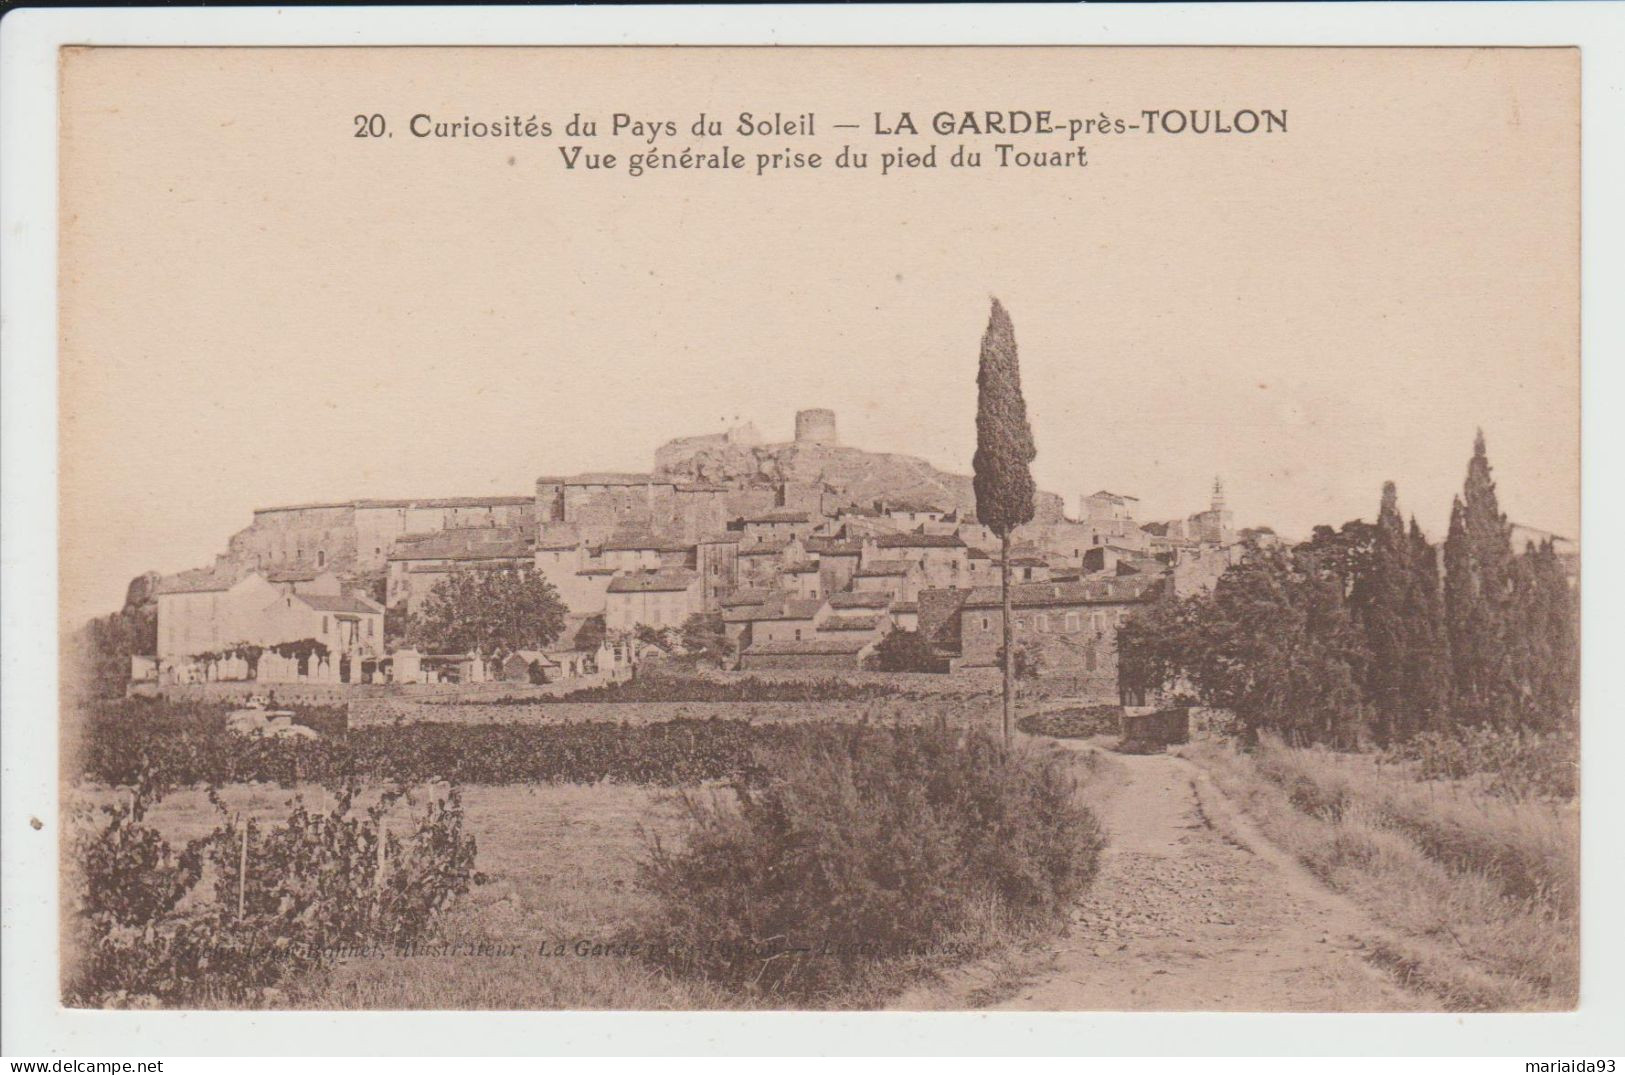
(144, 932)
(851, 849)
(906, 651)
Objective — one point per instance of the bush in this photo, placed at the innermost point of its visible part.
(144, 932)
(853, 849)
(906, 651)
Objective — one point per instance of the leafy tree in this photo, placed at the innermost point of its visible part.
(1156, 644)
(1005, 494)
(489, 612)
(664, 638)
(1274, 643)
(704, 638)
(905, 651)
(1345, 553)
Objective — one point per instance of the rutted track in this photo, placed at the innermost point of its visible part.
(1192, 911)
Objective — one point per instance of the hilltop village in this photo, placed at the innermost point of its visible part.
(810, 552)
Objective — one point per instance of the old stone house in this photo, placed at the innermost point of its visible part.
(827, 652)
(659, 599)
(1069, 628)
(942, 559)
(419, 563)
(206, 623)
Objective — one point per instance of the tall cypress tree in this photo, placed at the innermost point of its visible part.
(1005, 495)
(1381, 599)
(1478, 597)
(1426, 678)
(1544, 647)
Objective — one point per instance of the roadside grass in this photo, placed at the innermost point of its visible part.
(1493, 881)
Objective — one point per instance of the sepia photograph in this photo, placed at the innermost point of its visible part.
(1044, 529)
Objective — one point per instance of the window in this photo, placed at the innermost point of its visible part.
(1089, 659)
(324, 625)
(369, 628)
(1041, 623)
(1071, 622)
(987, 625)
(1098, 622)
(321, 557)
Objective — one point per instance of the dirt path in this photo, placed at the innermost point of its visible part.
(1192, 910)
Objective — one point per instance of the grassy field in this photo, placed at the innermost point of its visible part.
(561, 888)
(560, 866)
(560, 897)
(1493, 880)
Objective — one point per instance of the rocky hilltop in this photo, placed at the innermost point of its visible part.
(855, 476)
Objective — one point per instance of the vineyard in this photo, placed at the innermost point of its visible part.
(173, 747)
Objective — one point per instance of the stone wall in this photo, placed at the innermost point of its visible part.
(965, 709)
(362, 695)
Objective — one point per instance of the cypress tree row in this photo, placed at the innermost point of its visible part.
(1493, 640)
(1514, 644)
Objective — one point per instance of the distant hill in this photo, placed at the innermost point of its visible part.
(854, 475)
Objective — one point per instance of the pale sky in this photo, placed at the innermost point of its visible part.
(259, 308)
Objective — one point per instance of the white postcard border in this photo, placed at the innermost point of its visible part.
(34, 1023)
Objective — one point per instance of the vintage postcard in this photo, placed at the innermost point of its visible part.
(1062, 529)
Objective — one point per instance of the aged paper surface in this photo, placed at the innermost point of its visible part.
(525, 499)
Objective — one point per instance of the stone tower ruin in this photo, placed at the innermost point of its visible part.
(816, 426)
